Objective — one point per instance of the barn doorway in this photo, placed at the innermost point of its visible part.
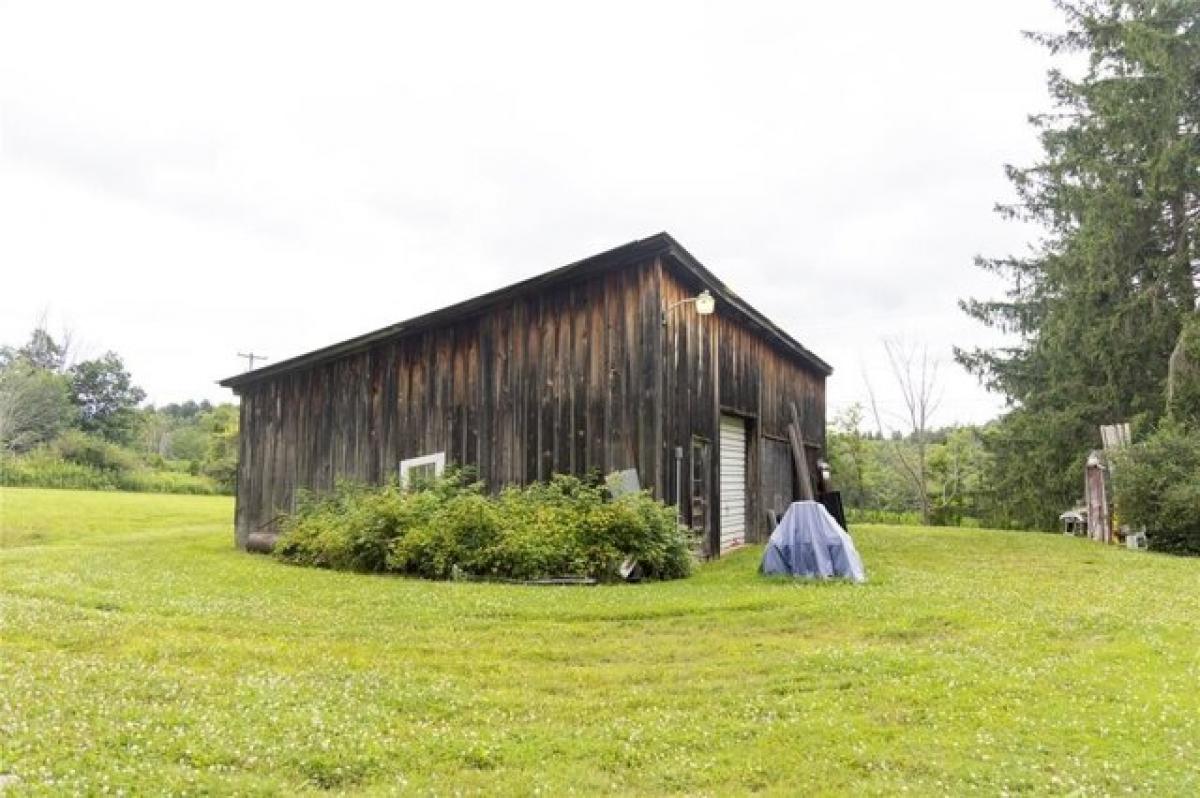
(733, 499)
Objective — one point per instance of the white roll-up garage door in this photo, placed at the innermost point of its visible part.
(733, 482)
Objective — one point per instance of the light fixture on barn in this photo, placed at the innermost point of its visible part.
(705, 305)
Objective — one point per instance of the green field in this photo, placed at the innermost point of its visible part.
(140, 652)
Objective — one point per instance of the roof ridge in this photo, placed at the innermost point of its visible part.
(658, 244)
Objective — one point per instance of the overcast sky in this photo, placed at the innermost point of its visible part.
(181, 182)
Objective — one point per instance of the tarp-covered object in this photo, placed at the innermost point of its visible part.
(809, 542)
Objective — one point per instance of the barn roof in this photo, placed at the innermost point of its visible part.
(661, 245)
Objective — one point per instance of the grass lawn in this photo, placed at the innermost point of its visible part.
(139, 651)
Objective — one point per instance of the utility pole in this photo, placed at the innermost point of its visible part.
(250, 358)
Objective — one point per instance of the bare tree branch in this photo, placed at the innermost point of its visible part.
(916, 377)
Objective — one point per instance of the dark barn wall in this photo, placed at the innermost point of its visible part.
(570, 378)
(565, 380)
(719, 364)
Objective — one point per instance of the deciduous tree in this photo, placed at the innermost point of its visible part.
(915, 377)
(35, 405)
(107, 399)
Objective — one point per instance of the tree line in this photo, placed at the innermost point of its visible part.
(878, 475)
(81, 423)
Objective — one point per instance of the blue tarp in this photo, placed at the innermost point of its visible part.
(809, 542)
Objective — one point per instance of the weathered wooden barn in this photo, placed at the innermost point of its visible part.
(602, 364)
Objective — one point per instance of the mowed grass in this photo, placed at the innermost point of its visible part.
(140, 652)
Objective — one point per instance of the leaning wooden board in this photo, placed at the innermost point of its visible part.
(799, 457)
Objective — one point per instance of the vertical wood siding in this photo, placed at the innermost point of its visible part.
(720, 365)
(581, 377)
(564, 381)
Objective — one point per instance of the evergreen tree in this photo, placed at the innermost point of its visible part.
(1099, 302)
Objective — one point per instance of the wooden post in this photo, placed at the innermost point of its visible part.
(799, 456)
(1098, 520)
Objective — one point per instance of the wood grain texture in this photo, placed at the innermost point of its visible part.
(565, 379)
(716, 365)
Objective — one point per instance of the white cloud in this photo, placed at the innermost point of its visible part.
(180, 183)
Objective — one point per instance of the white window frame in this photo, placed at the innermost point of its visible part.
(437, 460)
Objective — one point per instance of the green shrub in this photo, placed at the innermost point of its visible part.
(1158, 487)
(354, 527)
(858, 515)
(461, 533)
(147, 481)
(223, 472)
(90, 450)
(855, 515)
(449, 527)
(43, 469)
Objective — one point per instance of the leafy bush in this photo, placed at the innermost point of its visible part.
(855, 515)
(1158, 487)
(354, 527)
(46, 468)
(449, 526)
(42, 469)
(223, 472)
(461, 534)
(148, 481)
(90, 450)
